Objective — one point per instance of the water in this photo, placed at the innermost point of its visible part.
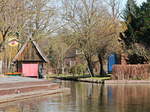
(86, 97)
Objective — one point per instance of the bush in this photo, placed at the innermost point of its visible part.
(131, 72)
(78, 69)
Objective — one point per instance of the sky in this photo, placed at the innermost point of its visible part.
(123, 3)
(139, 2)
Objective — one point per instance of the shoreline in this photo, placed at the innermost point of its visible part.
(104, 81)
(21, 88)
(18, 97)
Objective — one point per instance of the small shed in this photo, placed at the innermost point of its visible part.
(112, 60)
(30, 60)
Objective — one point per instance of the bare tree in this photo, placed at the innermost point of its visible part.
(94, 28)
(57, 49)
(114, 8)
(12, 18)
(24, 18)
(108, 35)
(81, 16)
(107, 42)
(41, 21)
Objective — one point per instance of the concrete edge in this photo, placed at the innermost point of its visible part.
(22, 87)
(16, 97)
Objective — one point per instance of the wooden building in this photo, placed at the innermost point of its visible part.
(30, 60)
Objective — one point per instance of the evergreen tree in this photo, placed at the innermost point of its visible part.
(143, 35)
(130, 16)
(136, 38)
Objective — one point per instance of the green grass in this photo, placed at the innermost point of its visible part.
(86, 77)
(66, 75)
(59, 75)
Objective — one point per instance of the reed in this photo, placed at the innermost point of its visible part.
(131, 72)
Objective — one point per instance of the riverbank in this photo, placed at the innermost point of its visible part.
(82, 78)
(101, 80)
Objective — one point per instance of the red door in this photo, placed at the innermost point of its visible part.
(30, 70)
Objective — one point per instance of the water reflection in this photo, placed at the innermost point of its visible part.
(86, 97)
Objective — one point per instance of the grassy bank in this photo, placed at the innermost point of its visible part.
(81, 78)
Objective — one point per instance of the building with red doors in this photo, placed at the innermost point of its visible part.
(30, 60)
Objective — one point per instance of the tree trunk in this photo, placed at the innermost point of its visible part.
(102, 71)
(62, 69)
(90, 66)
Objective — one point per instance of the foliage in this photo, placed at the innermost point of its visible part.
(94, 30)
(57, 52)
(92, 26)
(78, 69)
(143, 34)
(24, 19)
(136, 37)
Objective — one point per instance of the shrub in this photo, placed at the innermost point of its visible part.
(78, 69)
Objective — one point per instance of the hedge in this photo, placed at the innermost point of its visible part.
(131, 72)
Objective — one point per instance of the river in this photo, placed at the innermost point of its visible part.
(87, 97)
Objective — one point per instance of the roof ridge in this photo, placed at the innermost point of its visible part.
(36, 47)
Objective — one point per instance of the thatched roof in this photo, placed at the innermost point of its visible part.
(36, 47)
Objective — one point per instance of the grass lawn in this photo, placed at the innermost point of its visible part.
(82, 77)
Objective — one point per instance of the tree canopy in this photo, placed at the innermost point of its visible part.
(137, 36)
